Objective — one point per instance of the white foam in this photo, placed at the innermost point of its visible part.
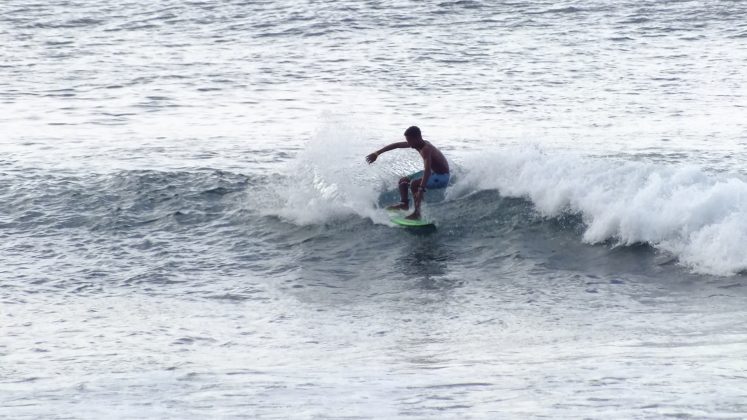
(700, 218)
(330, 179)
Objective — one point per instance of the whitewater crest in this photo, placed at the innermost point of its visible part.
(700, 218)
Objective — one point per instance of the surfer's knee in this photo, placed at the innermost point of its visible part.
(404, 180)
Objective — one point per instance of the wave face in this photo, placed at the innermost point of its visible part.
(696, 216)
(526, 201)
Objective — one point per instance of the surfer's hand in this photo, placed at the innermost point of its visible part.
(372, 157)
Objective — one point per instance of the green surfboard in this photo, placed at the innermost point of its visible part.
(398, 218)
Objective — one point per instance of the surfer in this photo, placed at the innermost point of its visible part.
(435, 173)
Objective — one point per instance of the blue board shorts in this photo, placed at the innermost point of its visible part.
(435, 181)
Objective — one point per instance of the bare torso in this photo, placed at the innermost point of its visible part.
(439, 164)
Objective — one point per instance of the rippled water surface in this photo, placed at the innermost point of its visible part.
(188, 228)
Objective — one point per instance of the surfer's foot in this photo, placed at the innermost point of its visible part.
(414, 216)
(400, 206)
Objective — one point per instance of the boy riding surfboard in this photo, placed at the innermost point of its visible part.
(435, 173)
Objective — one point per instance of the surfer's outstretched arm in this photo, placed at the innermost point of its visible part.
(399, 145)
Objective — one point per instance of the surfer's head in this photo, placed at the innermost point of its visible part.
(414, 138)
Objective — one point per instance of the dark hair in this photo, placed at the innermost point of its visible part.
(413, 132)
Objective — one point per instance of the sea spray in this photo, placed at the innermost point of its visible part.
(329, 179)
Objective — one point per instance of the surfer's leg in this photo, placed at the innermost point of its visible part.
(404, 184)
(415, 187)
(404, 203)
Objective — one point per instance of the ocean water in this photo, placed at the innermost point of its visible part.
(188, 228)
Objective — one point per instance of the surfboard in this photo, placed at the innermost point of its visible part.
(398, 218)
